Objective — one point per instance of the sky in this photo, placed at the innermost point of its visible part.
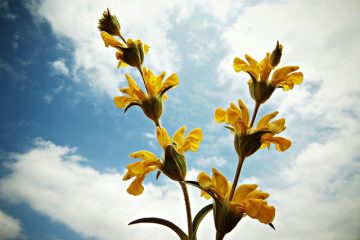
(64, 145)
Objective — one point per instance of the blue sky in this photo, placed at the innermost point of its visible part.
(64, 145)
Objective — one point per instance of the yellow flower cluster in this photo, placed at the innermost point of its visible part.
(230, 202)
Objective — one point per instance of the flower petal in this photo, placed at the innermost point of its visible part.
(242, 191)
(122, 101)
(143, 154)
(170, 82)
(163, 137)
(136, 188)
(146, 48)
(240, 65)
(205, 181)
(277, 126)
(179, 136)
(110, 40)
(221, 182)
(258, 209)
(283, 72)
(265, 120)
(219, 115)
(281, 143)
(258, 194)
(244, 111)
(296, 77)
(135, 88)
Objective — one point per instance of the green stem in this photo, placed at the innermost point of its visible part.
(257, 106)
(188, 208)
(122, 38)
(236, 177)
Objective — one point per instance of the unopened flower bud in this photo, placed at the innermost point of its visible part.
(109, 24)
(174, 164)
(276, 55)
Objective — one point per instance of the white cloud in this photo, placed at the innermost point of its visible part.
(215, 161)
(308, 205)
(94, 64)
(60, 67)
(92, 203)
(10, 228)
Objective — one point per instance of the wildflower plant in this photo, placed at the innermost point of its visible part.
(230, 202)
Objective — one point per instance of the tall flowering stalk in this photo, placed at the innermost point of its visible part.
(230, 202)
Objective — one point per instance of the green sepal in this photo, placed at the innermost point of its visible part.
(130, 105)
(199, 217)
(272, 226)
(163, 222)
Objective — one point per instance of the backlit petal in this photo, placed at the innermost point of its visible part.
(221, 182)
(205, 181)
(240, 65)
(242, 191)
(136, 188)
(283, 72)
(219, 115)
(143, 154)
(265, 120)
(146, 48)
(179, 136)
(122, 101)
(171, 81)
(258, 194)
(244, 111)
(258, 209)
(163, 136)
(110, 40)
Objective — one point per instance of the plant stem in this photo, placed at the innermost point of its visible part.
(122, 38)
(257, 106)
(142, 76)
(236, 177)
(188, 208)
(219, 236)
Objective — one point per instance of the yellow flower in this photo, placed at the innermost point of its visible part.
(151, 103)
(249, 139)
(149, 162)
(261, 87)
(132, 53)
(182, 144)
(247, 200)
(174, 159)
(173, 163)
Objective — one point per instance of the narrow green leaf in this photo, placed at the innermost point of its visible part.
(196, 184)
(199, 217)
(163, 222)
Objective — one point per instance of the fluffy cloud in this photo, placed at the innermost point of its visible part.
(94, 64)
(56, 182)
(60, 67)
(95, 204)
(10, 228)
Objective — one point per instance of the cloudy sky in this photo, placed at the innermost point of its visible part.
(64, 145)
